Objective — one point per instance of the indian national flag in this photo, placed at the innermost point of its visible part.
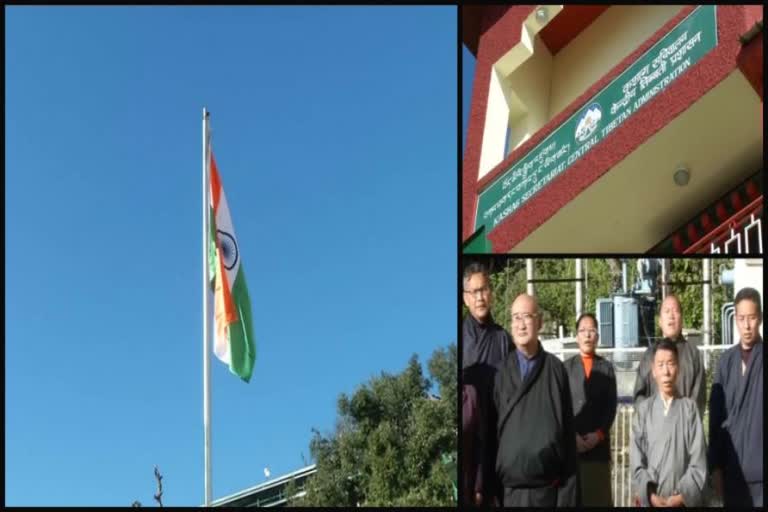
(234, 343)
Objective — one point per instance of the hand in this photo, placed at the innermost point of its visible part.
(717, 481)
(658, 501)
(675, 501)
(581, 447)
(478, 499)
(591, 440)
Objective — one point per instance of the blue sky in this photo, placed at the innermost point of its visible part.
(467, 75)
(334, 131)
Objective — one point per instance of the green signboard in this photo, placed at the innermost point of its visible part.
(477, 243)
(670, 57)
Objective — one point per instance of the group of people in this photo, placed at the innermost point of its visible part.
(536, 430)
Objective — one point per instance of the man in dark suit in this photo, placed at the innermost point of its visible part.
(485, 346)
(537, 460)
(593, 393)
(736, 410)
(471, 467)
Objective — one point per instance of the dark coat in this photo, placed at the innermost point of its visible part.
(736, 416)
(470, 421)
(537, 439)
(484, 349)
(594, 402)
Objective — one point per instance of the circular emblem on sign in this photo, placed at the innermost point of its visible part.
(228, 249)
(588, 122)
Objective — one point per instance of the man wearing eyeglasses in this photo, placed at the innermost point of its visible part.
(593, 394)
(485, 346)
(537, 459)
(736, 410)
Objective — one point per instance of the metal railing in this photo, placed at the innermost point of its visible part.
(727, 240)
(727, 313)
(751, 232)
(625, 363)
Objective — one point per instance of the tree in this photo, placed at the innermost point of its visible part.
(603, 277)
(391, 441)
(688, 270)
(556, 300)
(159, 496)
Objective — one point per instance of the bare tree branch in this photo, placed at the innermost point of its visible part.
(159, 495)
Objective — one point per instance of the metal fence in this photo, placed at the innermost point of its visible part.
(625, 362)
(621, 476)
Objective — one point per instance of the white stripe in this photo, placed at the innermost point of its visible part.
(224, 223)
(220, 343)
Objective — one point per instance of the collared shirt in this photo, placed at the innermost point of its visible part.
(525, 363)
(691, 379)
(666, 402)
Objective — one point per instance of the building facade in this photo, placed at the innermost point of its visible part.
(614, 129)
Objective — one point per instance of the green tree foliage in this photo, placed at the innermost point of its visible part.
(687, 270)
(602, 278)
(390, 441)
(556, 300)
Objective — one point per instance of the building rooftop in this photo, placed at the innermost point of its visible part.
(269, 493)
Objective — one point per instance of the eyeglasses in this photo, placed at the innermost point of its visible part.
(587, 331)
(482, 291)
(523, 317)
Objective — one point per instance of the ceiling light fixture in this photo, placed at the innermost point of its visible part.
(682, 176)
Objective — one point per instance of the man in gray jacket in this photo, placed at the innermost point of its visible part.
(690, 379)
(667, 452)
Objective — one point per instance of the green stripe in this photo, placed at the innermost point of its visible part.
(242, 345)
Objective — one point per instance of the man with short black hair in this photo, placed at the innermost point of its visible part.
(485, 346)
(736, 410)
(690, 380)
(667, 451)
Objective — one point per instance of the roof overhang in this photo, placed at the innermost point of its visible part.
(718, 139)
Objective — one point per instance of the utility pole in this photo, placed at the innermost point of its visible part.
(529, 276)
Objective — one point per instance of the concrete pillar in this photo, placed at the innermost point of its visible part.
(528, 276)
(579, 288)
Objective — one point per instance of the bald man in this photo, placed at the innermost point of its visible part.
(537, 461)
(690, 379)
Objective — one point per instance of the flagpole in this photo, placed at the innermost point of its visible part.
(206, 339)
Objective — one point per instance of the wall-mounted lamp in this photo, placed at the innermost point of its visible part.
(682, 176)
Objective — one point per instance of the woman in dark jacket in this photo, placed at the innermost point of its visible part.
(593, 393)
